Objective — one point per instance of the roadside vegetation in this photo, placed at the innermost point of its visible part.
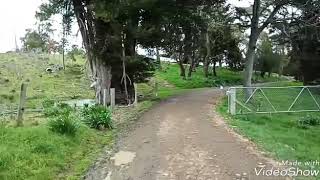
(59, 141)
(283, 136)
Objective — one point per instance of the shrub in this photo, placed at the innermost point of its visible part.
(307, 121)
(56, 110)
(98, 117)
(64, 124)
(43, 147)
(47, 103)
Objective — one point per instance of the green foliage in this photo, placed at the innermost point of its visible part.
(98, 117)
(75, 52)
(64, 124)
(33, 40)
(48, 103)
(303, 40)
(225, 77)
(38, 153)
(141, 67)
(309, 120)
(55, 110)
(282, 135)
(149, 23)
(268, 61)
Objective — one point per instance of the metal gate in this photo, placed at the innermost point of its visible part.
(246, 100)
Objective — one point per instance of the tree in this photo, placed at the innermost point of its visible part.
(111, 31)
(182, 32)
(299, 32)
(218, 41)
(263, 13)
(33, 41)
(74, 52)
(182, 38)
(268, 61)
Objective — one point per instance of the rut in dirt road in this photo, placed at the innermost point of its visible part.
(183, 138)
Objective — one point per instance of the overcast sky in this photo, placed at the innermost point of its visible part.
(15, 17)
(18, 15)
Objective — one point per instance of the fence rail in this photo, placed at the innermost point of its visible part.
(248, 100)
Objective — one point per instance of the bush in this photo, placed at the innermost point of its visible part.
(64, 124)
(47, 103)
(59, 109)
(307, 121)
(98, 117)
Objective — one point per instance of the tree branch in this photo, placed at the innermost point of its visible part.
(270, 18)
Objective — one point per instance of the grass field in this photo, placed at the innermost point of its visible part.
(224, 77)
(34, 152)
(285, 136)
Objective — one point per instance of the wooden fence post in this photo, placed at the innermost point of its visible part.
(23, 95)
(112, 97)
(156, 88)
(232, 101)
(135, 94)
(105, 97)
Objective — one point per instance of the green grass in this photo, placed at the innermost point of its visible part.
(33, 151)
(37, 153)
(29, 68)
(224, 77)
(280, 134)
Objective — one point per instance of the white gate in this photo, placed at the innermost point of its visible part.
(246, 100)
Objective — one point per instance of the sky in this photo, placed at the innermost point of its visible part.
(18, 15)
(15, 17)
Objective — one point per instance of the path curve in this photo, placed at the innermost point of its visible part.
(183, 138)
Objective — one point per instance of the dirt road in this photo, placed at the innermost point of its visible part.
(183, 138)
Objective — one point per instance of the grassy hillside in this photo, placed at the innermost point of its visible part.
(31, 68)
(33, 151)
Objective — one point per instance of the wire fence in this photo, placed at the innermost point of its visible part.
(39, 92)
(70, 93)
(248, 100)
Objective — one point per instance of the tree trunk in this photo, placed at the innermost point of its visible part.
(220, 63)
(196, 64)
(182, 70)
(206, 60)
(254, 35)
(191, 68)
(249, 63)
(214, 69)
(250, 55)
(124, 73)
(63, 46)
(103, 79)
(158, 58)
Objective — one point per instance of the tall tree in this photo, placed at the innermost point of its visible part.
(258, 18)
(102, 25)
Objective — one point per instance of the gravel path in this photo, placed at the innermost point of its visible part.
(183, 138)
